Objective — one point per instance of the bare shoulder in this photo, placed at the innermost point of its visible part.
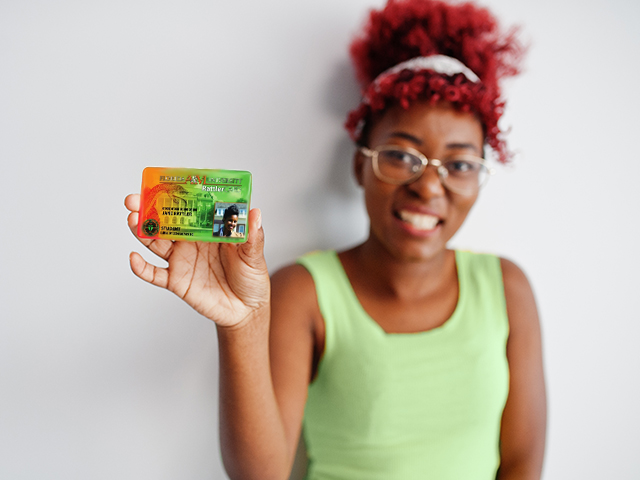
(291, 275)
(521, 304)
(293, 287)
(513, 276)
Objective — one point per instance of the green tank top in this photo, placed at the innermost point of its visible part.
(406, 406)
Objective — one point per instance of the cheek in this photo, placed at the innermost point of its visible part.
(379, 198)
(462, 206)
(372, 185)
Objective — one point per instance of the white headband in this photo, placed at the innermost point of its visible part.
(436, 63)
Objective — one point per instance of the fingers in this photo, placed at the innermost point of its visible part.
(252, 250)
(132, 220)
(132, 202)
(162, 248)
(149, 273)
(256, 234)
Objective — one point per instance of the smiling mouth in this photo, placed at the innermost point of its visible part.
(419, 221)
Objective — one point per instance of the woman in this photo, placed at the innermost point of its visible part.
(229, 223)
(403, 359)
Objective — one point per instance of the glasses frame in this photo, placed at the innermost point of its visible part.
(425, 162)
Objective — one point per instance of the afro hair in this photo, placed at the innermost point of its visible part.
(406, 29)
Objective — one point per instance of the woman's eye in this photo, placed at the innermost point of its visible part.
(461, 166)
(397, 156)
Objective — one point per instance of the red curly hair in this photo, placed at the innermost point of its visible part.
(405, 29)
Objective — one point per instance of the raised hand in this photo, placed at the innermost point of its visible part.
(224, 282)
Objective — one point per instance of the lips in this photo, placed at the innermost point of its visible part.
(419, 221)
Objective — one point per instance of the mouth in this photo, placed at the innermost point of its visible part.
(419, 221)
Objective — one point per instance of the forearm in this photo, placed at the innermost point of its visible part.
(252, 433)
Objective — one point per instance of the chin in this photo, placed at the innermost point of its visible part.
(415, 251)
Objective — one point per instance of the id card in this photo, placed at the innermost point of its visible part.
(195, 205)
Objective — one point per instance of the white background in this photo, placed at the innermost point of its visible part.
(103, 376)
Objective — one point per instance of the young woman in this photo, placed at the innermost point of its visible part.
(229, 223)
(401, 359)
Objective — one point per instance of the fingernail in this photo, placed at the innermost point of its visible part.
(259, 219)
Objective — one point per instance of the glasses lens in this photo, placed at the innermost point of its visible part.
(398, 165)
(465, 174)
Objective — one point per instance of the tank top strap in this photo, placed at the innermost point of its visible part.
(482, 290)
(340, 308)
(327, 273)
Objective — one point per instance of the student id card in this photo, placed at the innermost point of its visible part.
(194, 204)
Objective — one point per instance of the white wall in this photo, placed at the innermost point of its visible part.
(103, 376)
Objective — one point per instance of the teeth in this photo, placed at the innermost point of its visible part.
(419, 221)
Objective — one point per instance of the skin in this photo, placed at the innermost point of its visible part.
(230, 224)
(271, 334)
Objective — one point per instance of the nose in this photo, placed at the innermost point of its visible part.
(428, 185)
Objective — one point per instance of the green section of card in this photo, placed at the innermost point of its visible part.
(195, 204)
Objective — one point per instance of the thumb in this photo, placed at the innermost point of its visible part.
(253, 249)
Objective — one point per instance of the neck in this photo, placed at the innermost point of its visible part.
(374, 267)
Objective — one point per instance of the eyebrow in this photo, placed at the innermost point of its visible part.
(406, 136)
(418, 141)
(463, 146)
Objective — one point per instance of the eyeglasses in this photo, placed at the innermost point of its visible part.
(459, 173)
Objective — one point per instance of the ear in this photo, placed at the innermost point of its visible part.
(358, 166)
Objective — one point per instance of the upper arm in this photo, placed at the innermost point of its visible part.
(522, 435)
(292, 340)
